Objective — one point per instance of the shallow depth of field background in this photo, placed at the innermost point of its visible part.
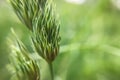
(90, 39)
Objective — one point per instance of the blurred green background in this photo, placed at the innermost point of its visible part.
(90, 45)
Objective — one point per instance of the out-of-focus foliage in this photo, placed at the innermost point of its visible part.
(90, 46)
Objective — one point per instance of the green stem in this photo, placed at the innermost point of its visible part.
(51, 70)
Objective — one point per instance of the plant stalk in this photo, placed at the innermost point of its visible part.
(51, 70)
